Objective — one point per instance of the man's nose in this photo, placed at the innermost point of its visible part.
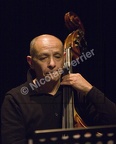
(52, 63)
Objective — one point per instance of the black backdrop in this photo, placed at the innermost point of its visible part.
(21, 20)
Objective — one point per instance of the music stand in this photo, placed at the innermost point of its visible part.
(90, 135)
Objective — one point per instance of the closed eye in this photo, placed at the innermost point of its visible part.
(42, 58)
(57, 56)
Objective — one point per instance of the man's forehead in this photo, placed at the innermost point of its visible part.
(47, 42)
(46, 45)
(49, 50)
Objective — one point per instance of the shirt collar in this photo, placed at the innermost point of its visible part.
(34, 91)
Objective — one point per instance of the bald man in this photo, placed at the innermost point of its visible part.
(37, 104)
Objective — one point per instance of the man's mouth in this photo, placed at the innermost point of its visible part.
(51, 72)
(54, 73)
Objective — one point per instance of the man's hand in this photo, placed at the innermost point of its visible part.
(77, 82)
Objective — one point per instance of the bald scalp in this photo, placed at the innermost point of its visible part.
(40, 40)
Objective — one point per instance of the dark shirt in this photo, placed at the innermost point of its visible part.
(24, 111)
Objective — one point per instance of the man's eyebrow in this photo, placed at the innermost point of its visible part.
(58, 53)
(42, 54)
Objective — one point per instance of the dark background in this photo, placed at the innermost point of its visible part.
(22, 20)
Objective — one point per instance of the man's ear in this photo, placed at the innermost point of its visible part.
(29, 60)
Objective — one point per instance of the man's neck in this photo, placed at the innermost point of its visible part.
(49, 87)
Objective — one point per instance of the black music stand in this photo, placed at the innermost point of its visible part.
(90, 135)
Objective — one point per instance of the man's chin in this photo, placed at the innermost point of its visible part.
(55, 79)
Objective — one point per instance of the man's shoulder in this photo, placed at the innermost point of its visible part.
(22, 89)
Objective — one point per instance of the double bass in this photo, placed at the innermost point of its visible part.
(74, 45)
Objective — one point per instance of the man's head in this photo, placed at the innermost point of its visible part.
(46, 55)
